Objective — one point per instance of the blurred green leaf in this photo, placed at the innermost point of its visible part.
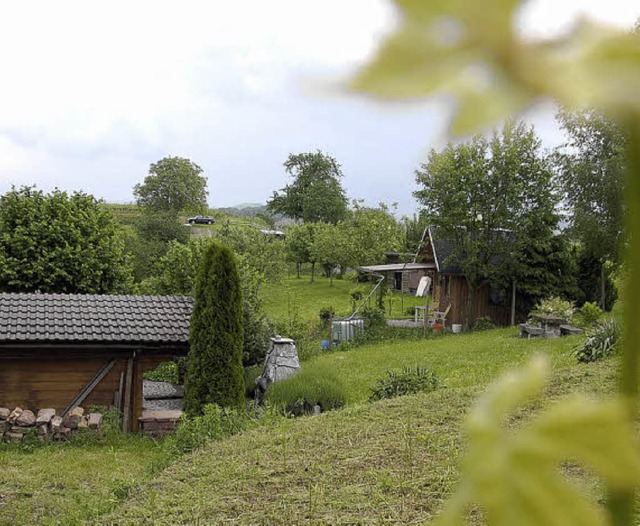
(514, 475)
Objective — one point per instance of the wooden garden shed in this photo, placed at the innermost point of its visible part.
(64, 350)
(450, 286)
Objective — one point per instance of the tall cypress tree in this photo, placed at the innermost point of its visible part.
(217, 334)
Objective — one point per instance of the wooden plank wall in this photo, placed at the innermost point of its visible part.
(457, 298)
(42, 380)
(54, 382)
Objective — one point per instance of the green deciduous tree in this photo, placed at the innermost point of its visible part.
(215, 373)
(330, 247)
(592, 169)
(265, 253)
(175, 273)
(316, 193)
(299, 246)
(149, 239)
(482, 195)
(174, 184)
(58, 242)
(370, 233)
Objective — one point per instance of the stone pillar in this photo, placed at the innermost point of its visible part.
(281, 361)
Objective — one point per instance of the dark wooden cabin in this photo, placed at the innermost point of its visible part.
(450, 287)
(64, 350)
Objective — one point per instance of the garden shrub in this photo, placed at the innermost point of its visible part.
(603, 340)
(587, 315)
(215, 423)
(483, 323)
(165, 372)
(258, 329)
(373, 318)
(409, 380)
(555, 306)
(325, 315)
(215, 374)
(314, 385)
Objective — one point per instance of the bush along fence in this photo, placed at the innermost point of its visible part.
(19, 424)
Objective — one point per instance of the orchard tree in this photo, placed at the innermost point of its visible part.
(215, 373)
(60, 243)
(330, 247)
(592, 167)
(299, 246)
(265, 253)
(370, 233)
(479, 195)
(316, 193)
(174, 184)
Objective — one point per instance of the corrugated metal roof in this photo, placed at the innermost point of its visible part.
(76, 318)
(398, 267)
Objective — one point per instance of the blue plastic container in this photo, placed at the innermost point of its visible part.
(325, 345)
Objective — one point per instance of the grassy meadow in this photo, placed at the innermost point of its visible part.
(299, 297)
(392, 461)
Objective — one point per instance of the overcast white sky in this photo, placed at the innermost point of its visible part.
(92, 93)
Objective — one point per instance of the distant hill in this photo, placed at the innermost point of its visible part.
(244, 209)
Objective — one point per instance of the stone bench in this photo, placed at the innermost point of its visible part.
(529, 331)
(568, 330)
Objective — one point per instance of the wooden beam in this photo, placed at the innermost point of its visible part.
(86, 390)
(128, 384)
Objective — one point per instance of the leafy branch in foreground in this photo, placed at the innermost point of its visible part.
(514, 476)
(475, 52)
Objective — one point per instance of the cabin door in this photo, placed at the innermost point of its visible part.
(398, 281)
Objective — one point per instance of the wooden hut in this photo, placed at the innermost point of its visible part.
(450, 286)
(65, 350)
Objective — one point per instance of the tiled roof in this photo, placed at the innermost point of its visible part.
(77, 318)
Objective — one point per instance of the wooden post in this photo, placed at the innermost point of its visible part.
(331, 325)
(136, 392)
(426, 314)
(126, 408)
(513, 303)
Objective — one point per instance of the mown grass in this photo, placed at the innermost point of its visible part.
(391, 461)
(460, 360)
(71, 483)
(299, 297)
(394, 461)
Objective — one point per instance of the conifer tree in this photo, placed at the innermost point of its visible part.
(215, 357)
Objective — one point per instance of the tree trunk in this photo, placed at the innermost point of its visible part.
(603, 291)
(298, 265)
(513, 303)
(313, 270)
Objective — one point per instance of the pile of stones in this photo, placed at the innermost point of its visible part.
(20, 423)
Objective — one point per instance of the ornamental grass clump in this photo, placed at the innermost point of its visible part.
(603, 340)
(409, 380)
(299, 394)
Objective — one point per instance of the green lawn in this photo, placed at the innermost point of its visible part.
(392, 461)
(299, 297)
(460, 360)
(71, 483)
